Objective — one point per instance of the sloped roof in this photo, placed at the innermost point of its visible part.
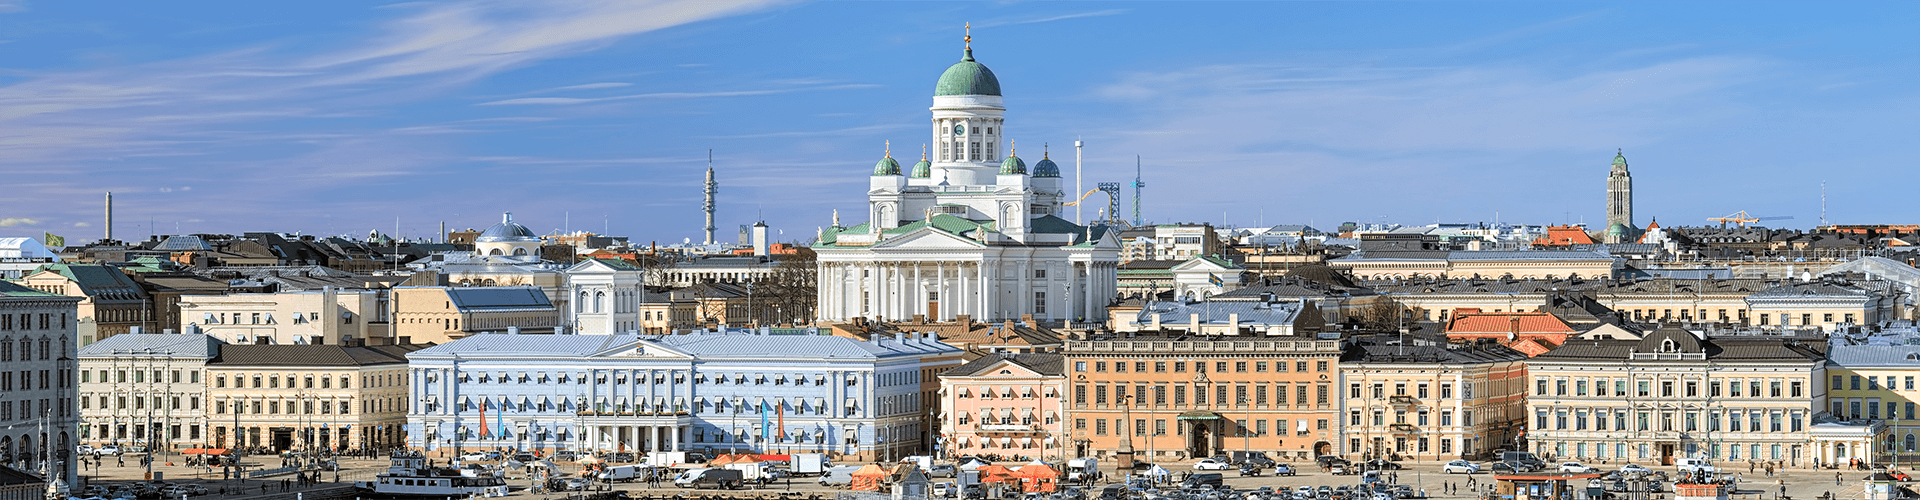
(1049, 364)
(9, 289)
(183, 243)
(498, 297)
(313, 355)
(97, 280)
(1503, 322)
(179, 345)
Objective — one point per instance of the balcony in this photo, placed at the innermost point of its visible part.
(1404, 428)
(1010, 428)
(1403, 400)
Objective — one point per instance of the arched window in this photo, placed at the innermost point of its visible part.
(1666, 345)
(495, 252)
(598, 298)
(1910, 442)
(519, 252)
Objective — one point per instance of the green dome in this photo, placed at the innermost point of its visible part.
(967, 78)
(922, 170)
(886, 167)
(1619, 159)
(1618, 229)
(1013, 165)
(1046, 167)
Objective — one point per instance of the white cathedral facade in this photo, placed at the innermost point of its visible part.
(966, 232)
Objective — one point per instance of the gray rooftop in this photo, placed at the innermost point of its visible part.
(181, 345)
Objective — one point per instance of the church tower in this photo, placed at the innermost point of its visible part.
(1619, 194)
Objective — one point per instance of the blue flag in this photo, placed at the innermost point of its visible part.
(765, 430)
(1215, 280)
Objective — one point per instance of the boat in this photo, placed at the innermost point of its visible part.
(409, 476)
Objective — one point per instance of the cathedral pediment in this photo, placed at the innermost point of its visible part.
(928, 239)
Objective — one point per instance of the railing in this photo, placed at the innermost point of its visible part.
(1402, 399)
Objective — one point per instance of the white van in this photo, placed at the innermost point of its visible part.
(838, 476)
(1694, 465)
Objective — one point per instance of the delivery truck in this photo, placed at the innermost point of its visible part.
(708, 477)
(809, 464)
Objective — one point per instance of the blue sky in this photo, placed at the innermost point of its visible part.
(339, 117)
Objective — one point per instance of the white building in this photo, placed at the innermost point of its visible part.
(606, 296)
(966, 232)
(37, 332)
(146, 389)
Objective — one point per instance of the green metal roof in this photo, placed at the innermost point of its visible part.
(886, 166)
(1620, 159)
(967, 78)
(1013, 165)
(922, 170)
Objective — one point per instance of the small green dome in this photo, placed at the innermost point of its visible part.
(967, 78)
(1013, 165)
(1619, 229)
(1620, 159)
(887, 166)
(922, 170)
(1046, 167)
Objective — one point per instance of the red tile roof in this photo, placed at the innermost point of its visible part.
(1565, 235)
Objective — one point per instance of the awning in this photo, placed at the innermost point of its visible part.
(1198, 415)
(853, 402)
(679, 402)
(1303, 425)
(819, 402)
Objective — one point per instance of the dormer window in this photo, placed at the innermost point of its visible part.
(1667, 346)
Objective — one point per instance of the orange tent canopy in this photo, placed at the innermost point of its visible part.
(723, 460)
(1038, 476)
(868, 477)
(1036, 471)
(996, 473)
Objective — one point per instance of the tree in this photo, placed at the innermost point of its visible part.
(1388, 315)
(792, 289)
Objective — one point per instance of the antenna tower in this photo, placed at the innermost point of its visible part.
(1137, 184)
(711, 189)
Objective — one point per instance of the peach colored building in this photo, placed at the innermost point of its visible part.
(1005, 404)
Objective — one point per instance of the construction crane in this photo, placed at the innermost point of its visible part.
(1113, 198)
(1742, 219)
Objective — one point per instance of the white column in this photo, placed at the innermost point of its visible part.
(940, 288)
(918, 300)
(984, 299)
(675, 438)
(963, 300)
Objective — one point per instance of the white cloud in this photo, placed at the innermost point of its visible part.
(1047, 19)
(564, 101)
(82, 224)
(18, 221)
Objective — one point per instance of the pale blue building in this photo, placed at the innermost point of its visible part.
(866, 400)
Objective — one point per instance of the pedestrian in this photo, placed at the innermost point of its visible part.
(1836, 479)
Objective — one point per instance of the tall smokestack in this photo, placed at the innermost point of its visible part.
(1077, 187)
(712, 188)
(443, 232)
(109, 216)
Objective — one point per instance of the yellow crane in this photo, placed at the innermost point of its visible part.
(1113, 198)
(1741, 218)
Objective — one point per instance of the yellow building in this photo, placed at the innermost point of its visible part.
(1877, 383)
(1431, 400)
(1824, 304)
(435, 314)
(307, 397)
(1442, 264)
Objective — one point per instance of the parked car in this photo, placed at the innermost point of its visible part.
(1576, 468)
(1284, 470)
(524, 457)
(1210, 464)
(1634, 469)
(1382, 464)
(1506, 468)
(1209, 479)
(946, 490)
(107, 450)
(1460, 467)
(474, 457)
(943, 470)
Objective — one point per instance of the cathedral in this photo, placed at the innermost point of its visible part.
(965, 231)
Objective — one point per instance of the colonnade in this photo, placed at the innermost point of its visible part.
(632, 438)
(987, 290)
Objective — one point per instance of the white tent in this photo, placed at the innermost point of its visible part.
(1158, 471)
(973, 465)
